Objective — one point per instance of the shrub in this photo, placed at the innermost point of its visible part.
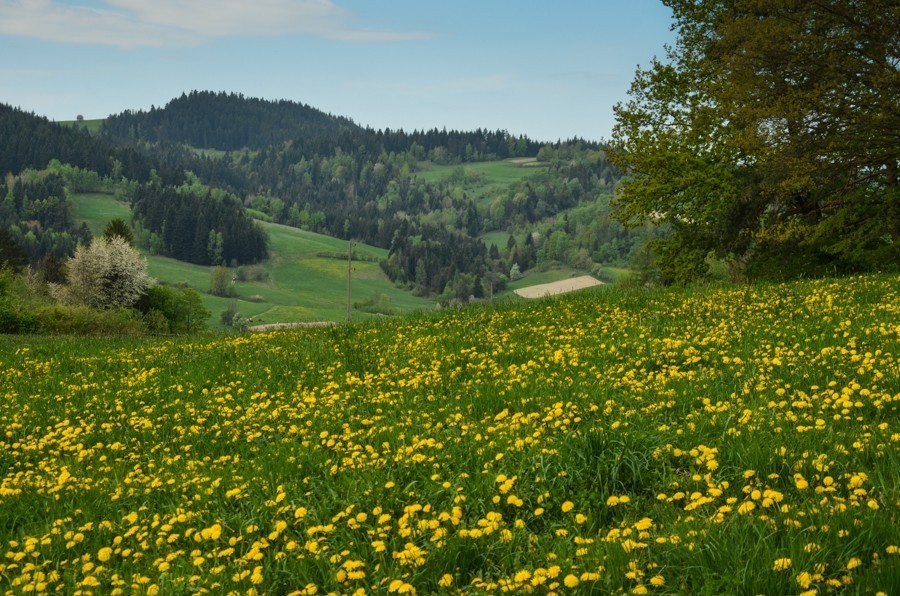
(156, 322)
(378, 304)
(182, 308)
(81, 320)
(220, 282)
(252, 273)
(15, 316)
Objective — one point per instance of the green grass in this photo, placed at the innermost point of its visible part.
(97, 210)
(505, 171)
(731, 440)
(92, 126)
(498, 237)
(493, 176)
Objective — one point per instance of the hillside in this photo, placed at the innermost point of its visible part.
(432, 200)
(607, 442)
(224, 121)
(305, 276)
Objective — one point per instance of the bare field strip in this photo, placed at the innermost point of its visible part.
(558, 287)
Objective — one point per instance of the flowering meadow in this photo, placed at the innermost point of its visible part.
(715, 441)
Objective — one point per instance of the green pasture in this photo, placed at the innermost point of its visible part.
(97, 209)
(92, 126)
(492, 176)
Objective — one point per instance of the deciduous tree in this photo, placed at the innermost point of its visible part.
(771, 134)
(109, 273)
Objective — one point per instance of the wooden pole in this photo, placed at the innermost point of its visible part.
(349, 269)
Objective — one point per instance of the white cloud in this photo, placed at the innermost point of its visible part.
(164, 23)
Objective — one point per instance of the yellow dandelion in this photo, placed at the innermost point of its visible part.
(781, 564)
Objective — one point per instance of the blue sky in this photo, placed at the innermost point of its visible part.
(548, 69)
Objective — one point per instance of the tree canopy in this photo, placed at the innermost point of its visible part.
(770, 135)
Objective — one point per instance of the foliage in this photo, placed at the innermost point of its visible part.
(106, 274)
(118, 228)
(37, 218)
(182, 309)
(607, 442)
(15, 313)
(378, 304)
(198, 224)
(220, 282)
(252, 273)
(770, 132)
(33, 142)
(67, 319)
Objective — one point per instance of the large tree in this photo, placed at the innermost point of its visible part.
(770, 134)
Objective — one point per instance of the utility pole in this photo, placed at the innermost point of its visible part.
(349, 269)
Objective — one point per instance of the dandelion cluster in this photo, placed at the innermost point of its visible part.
(737, 440)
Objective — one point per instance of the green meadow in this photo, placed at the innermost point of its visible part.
(715, 440)
(483, 179)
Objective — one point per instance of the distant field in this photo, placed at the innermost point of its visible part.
(98, 209)
(307, 273)
(544, 277)
(500, 238)
(562, 286)
(92, 126)
(496, 175)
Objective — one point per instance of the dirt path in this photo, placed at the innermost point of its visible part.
(558, 287)
(279, 326)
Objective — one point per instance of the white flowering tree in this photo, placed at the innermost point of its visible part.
(109, 273)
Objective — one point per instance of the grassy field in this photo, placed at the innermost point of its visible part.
(307, 273)
(92, 126)
(709, 441)
(492, 176)
(98, 209)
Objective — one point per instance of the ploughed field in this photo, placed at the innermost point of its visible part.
(734, 440)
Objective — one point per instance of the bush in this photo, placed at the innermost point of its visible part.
(252, 273)
(182, 308)
(107, 274)
(156, 322)
(81, 320)
(15, 316)
(220, 282)
(379, 304)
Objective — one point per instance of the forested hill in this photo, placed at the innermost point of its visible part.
(230, 122)
(30, 141)
(43, 163)
(298, 166)
(224, 121)
(423, 195)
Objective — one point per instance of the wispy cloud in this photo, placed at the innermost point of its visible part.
(166, 23)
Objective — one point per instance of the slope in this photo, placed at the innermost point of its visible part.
(304, 280)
